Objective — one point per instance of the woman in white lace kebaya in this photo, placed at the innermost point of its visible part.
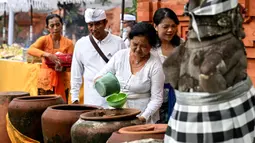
(140, 73)
(166, 24)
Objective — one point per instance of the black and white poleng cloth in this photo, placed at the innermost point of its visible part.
(210, 7)
(225, 117)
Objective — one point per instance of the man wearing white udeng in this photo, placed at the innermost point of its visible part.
(86, 58)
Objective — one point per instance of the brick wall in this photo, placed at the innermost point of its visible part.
(146, 9)
(22, 23)
(113, 17)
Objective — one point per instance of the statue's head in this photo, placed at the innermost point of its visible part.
(194, 3)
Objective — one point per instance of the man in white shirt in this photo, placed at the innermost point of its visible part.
(128, 22)
(88, 62)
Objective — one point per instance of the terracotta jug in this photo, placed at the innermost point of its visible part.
(57, 121)
(98, 125)
(5, 99)
(25, 113)
(138, 132)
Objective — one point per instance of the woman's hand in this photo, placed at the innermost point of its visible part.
(97, 79)
(59, 68)
(141, 118)
(52, 57)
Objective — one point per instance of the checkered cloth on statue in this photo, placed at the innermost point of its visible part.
(224, 117)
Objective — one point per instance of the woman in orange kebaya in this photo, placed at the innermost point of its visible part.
(51, 81)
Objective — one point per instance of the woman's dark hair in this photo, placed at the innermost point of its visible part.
(162, 13)
(144, 29)
(53, 16)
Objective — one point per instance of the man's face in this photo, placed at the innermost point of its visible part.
(97, 28)
(125, 24)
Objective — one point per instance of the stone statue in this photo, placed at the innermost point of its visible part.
(213, 58)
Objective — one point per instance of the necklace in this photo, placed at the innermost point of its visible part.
(137, 64)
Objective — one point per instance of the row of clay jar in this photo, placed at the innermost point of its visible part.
(47, 119)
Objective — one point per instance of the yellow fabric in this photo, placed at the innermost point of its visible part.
(21, 76)
(48, 78)
(18, 76)
(15, 136)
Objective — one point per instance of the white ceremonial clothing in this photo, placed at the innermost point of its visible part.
(144, 89)
(87, 62)
(125, 37)
(127, 43)
(158, 53)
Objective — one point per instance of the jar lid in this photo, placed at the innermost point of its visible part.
(144, 129)
(110, 114)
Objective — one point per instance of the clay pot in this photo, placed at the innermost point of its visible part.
(25, 113)
(57, 121)
(98, 125)
(5, 99)
(138, 132)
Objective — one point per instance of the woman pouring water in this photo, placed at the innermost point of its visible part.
(139, 73)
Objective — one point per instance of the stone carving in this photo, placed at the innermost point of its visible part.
(216, 62)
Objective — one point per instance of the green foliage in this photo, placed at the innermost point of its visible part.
(74, 20)
(132, 10)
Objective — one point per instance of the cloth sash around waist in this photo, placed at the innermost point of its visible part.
(136, 96)
(205, 98)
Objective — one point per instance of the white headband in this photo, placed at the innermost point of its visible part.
(93, 15)
(128, 17)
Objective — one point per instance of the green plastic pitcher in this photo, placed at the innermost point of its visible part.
(107, 85)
